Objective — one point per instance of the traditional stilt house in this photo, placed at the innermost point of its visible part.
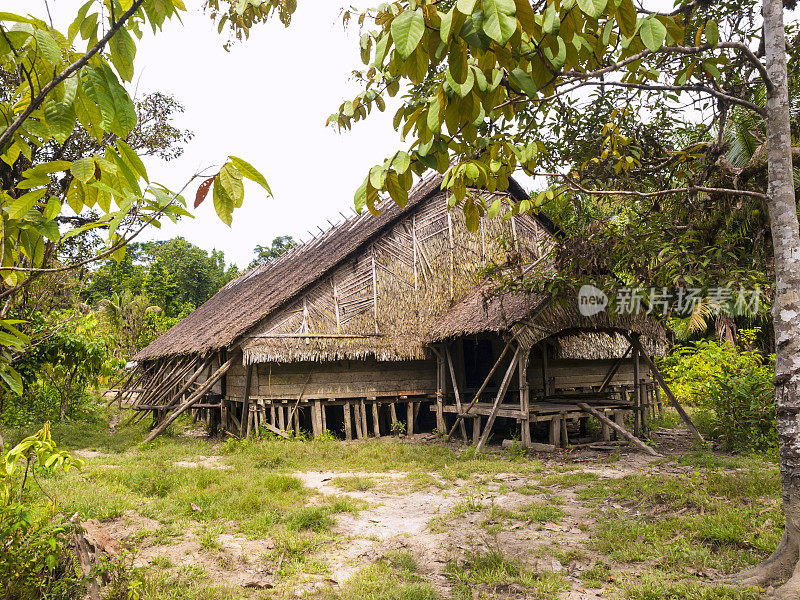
(383, 323)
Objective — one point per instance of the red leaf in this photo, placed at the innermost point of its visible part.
(202, 191)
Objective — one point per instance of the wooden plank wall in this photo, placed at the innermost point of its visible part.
(334, 379)
(572, 373)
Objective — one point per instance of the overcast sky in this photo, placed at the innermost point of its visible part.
(266, 101)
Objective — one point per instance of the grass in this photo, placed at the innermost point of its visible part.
(492, 570)
(722, 514)
(353, 483)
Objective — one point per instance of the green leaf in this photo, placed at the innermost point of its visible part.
(465, 7)
(500, 21)
(401, 162)
(83, 169)
(123, 52)
(494, 209)
(398, 193)
(249, 171)
(524, 81)
(20, 207)
(132, 159)
(360, 198)
(97, 91)
(407, 30)
(75, 196)
(712, 33)
(653, 33)
(551, 22)
(53, 209)
(231, 181)
(592, 8)
(223, 203)
(626, 18)
(47, 46)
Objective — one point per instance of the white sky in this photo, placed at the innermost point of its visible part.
(265, 101)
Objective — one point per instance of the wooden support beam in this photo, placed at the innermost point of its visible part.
(481, 389)
(613, 370)
(281, 418)
(455, 389)
(275, 430)
(348, 422)
(555, 430)
(246, 406)
(524, 396)
(637, 396)
(392, 414)
(564, 432)
(501, 393)
(193, 399)
(667, 390)
(409, 418)
(296, 419)
(476, 430)
(357, 419)
(619, 429)
(376, 425)
(363, 411)
(440, 391)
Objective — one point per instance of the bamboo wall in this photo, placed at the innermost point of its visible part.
(381, 303)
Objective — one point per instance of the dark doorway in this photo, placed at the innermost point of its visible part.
(478, 361)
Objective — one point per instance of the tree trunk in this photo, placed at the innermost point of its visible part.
(783, 564)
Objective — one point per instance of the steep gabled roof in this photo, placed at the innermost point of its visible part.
(246, 300)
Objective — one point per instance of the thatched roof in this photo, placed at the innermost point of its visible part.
(536, 317)
(245, 301)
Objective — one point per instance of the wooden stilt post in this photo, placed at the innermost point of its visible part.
(296, 419)
(440, 392)
(409, 418)
(392, 415)
(501, 393)
(348, 422)
(637, 397)
(247, 399)
(281, 418)
(564, 433)
(555, 431)
(524, 396)
(454, 381)
(376, 422)
(363, 412)
(316, 420)
(323, 416)
(357, 418)
(476, 430)
(657, 387)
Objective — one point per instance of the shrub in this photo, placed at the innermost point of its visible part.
(34, 558)
(733, 389)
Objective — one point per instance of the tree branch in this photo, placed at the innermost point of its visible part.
(37, 100)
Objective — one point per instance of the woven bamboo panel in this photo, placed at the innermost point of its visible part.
(382, 303)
